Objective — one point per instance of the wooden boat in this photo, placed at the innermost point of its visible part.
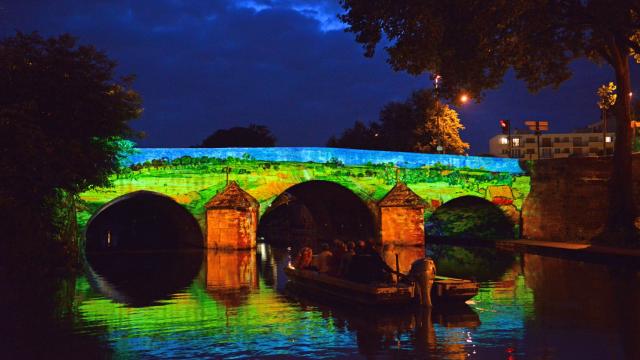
(459, 315)
(444, 291)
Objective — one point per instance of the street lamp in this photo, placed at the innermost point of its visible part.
(463, 98)
(436, 82)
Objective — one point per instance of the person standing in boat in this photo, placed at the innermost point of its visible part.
(423, 274)
(345, 260)
(367, 266)
(338, 250)
(324, 258)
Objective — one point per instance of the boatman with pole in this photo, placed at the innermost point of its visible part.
(423, 273)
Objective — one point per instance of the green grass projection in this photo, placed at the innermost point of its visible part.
(194, 181)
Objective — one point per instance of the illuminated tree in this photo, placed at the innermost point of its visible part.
(472, 44)
(441, 127)
(607, 96)
(419, 124)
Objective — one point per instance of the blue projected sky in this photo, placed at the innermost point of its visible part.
(322, 155)
(287, 64)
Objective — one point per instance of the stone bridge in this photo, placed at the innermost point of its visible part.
(228, 197)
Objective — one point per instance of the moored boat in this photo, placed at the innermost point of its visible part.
(444, 291)
(451, 290)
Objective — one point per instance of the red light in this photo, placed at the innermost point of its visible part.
(504, 125)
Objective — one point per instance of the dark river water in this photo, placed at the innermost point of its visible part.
(237, 305)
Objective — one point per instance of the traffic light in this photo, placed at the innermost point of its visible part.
(504, 125)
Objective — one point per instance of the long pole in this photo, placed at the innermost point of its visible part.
(510, 144)
(538, 137)
(634, 125)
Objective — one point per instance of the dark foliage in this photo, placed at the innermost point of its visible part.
(360, 136)
(62, 116)
(251, 136)
(472, 44)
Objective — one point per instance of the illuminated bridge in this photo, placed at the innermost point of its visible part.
(226, 198)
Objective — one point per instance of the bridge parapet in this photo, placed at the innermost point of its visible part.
(194, 176)
(348, 157)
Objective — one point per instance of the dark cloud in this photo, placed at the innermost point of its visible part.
(205, 65)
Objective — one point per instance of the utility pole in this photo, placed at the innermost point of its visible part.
(604, 132)
(538, 137)
(439, 143)
(505, 125)
(538, 127)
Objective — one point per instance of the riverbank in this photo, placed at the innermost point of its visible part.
(574, 251)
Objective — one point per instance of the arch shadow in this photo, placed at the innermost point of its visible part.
(142, 220)
(469, 217)
(140, 248)
(316, 211)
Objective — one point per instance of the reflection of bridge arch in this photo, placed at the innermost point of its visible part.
(142, 220)
(316, 210)
(471, 217)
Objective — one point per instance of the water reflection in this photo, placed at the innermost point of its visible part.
(230, 276)
(236, 305)
(603, 302)
(37, 320)
(379, 331)
(143, 279)
(272, 261)
(468, 262)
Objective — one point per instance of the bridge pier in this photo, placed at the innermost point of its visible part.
(401, 214)
(232, 219)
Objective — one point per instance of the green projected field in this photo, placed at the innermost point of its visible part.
(192, 181)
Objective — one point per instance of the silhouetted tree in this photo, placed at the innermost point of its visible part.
(472, 44)
(62, 118)
(360, 136)
(420, 124)
(251, 136)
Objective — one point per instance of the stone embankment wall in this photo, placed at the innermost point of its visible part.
(569, 198)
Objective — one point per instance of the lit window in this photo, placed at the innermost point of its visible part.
(516, 141)
(504, 141)
(607, 139)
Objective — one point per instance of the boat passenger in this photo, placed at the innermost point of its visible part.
(361, 247)
(338, 250)
(304, 259)
(367, 266)
(324, 258)
(345, 260)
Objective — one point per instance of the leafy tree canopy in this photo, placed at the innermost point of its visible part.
(360, 136)
(251, 136)
(61, 115)
(63, 118)
(420, 124)
(473, 43)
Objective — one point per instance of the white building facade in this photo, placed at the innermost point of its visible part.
(524, 145)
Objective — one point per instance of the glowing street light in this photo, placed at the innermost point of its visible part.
(464, 98)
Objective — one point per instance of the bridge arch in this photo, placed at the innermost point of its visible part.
(470, 217)
(139, 221)
(316, 211)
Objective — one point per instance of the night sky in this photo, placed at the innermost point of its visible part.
(207, 65)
